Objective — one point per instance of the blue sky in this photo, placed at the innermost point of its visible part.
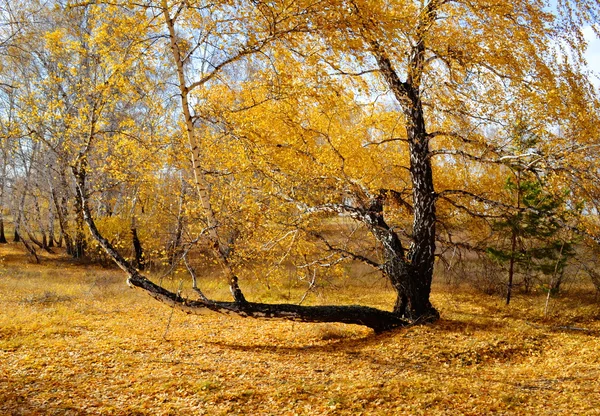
(593, 54)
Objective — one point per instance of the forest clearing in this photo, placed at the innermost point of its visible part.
(75, 340)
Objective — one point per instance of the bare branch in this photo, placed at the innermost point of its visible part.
(470, 211)
(192, 272)
(474, 196)
(393, 139)
(345, 252)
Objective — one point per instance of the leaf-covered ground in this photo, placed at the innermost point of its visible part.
(74, 339)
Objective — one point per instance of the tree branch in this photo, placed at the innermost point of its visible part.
(476, 197)
(350, 254)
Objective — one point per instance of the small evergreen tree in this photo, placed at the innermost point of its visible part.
(536, 245)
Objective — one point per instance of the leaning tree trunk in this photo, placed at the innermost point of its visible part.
(138, 251)
(30, 249)
(378, 320)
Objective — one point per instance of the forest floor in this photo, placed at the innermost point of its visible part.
(75, 340)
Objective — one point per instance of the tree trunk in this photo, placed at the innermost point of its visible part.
(138, 252)
(412, 301)
(511, 266)
(2, 236)
(513, 245)
(412, 274)
(30, 249)
(2, 196)
(421, 256)
(219, 247)
(33, 239)
(79, 244)
(19, 217)
(61, 208)
(51, 239)
(174, 247)
(42, 228)
(556, 283)
(139, 262)
(373, 318)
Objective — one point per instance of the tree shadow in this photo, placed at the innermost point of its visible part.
(351, 345)
(454, 325)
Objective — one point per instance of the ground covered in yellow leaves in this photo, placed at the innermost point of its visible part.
(74, 339)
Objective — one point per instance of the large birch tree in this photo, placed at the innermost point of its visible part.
(400, 116)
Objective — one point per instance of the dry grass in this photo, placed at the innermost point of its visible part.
(75, 340)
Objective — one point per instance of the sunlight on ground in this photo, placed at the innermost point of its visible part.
(74, 339)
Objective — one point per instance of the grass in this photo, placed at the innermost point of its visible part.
(75, 340)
